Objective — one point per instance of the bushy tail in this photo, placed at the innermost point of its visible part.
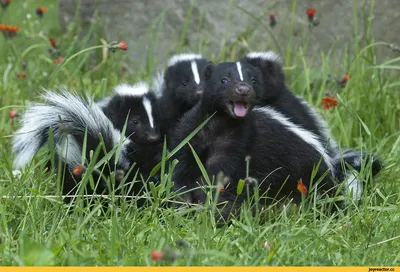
(69, 116)
(349, 164)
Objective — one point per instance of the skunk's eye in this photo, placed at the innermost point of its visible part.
(254, 81)
(184, 83)
(224, 80)
(135, 121)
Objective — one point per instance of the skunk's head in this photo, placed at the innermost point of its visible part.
(273, 77)
(184, 79)
(230, 88)
(135, 105)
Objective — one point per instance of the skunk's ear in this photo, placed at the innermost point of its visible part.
(208, 71)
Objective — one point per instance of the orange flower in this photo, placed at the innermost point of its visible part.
(346, 77)
(329, 102)
(78, 170)
(5, 3)
(53, 42)
(58, 60)
(13, 114)
(301, 187)
(21, 75)
(13, 29)
(9, 31)
(310, 13)
(272, 19)
(156, 255)
(123, 46)
(40, 11)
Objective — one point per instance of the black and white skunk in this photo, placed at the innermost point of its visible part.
(70, 117)
(277, 95)
(278, 149)
(180, 89)
(138, 105)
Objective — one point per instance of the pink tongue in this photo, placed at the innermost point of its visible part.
(239, 109)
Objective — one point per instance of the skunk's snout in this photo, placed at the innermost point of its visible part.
(199, 92)
(243, 90)
(153, 137)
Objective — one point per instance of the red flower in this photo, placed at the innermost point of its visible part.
(123, 46)
(9, 31)
(310, 13)
(13, 114)
(329, 102)
(21, 75)
(40, 11)
(272, 19)
(53, 42)
(346, 77)
(78, 170)
(301, 187)
(156, 255)
(58, 60)
(221, 188)
(5, 3)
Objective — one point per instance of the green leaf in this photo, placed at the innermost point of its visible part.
(176, 149)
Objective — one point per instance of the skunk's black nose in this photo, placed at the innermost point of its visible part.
(153, 137)
(243, 90)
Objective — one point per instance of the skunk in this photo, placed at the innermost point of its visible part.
(181, 89)
(278, 149)
(137, 106)
(277, 95)
(70, 117)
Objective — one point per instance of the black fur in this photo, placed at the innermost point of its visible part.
(145, 150)
(276, 94)
(225, 141)
(70, 117)
(179, 93)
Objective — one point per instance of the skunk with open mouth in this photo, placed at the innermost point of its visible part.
(281, 153)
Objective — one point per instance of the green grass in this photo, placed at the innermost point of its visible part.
(37, 228)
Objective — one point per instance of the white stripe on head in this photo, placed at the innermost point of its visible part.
(269, 56)
(195, 72)
(239, 68)
(137, 89)
(157, 84)
(183, 57)
(148, 108)
(302, 133)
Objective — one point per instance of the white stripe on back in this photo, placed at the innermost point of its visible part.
(148, 108)
(302, 133)
(239, 68)
(195, 72)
